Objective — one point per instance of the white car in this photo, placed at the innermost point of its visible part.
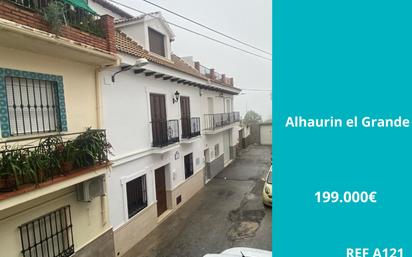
(241, 252)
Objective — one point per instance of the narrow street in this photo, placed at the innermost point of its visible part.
(227, 212)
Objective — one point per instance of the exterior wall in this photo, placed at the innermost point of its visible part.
(140, 33)
(216, 166)
(186, 190)
(260, 133)
(23, 16)
(103, 246)
(87, 219)
(266, 134)
(101, 10)
(78, 82)
(135, 230)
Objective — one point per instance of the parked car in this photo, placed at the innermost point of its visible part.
(267, 189)
(241, 252)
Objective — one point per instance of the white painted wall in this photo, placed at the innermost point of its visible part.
(101, 10)
(139, 31)
(266, 134)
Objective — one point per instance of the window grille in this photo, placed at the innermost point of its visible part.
(136, 195)
(32, 106)
(188, 159)
(50, 235)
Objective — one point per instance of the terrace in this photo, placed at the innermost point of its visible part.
(70, 19)
(213, 75)
(48, 162)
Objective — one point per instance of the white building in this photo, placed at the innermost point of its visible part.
(171, 124)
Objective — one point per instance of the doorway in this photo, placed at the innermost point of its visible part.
(160, 181)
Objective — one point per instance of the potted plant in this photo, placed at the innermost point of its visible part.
(52, 147)
(68, 156)
(54, 15)
(38, 163)
(92, 148)
(11, 170)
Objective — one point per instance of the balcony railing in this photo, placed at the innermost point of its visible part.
(165, 132)
(190, 127)
(204, 70)
(73, 16)
(48, 157)
(219, 120)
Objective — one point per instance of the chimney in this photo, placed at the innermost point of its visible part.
(197, 66)
(212, 74)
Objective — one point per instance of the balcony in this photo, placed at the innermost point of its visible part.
(190, 127)
(69, 19)
(165, 132)
(213, 75)
(220, 120)
(47, 161)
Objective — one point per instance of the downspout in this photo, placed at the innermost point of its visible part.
(99, 121)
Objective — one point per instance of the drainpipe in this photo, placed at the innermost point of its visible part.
(99, 118)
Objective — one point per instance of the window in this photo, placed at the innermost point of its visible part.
(49, 235)
(156, 42)
(136, 195)
(188, 165)
(32, 106)
(217, 152)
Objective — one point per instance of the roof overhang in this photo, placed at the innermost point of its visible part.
(167, 74)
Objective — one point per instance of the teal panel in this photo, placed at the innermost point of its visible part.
(4, 116)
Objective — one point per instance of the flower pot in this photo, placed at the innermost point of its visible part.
(7, 184)
(41, 175)
(67, 167)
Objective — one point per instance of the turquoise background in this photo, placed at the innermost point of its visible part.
(341, 58)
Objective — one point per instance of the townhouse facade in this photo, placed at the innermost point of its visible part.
(171, 123)
(52, 186)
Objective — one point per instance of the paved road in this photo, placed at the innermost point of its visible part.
(227, 212)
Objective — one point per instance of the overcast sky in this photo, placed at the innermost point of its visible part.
(249, 21)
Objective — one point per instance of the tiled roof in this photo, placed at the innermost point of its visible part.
(127, 45)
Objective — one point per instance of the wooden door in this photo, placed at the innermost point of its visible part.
(185, 116)
(160, 181)
(158, 116)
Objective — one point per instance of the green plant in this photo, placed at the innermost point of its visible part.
(92, 148)
(52, 147)
(54, 15)
(38, 163)
(12, 167)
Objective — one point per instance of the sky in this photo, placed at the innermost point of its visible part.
(248, 21)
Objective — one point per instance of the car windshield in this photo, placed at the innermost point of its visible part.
(269, 179)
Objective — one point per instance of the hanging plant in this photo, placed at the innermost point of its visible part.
(54, 15)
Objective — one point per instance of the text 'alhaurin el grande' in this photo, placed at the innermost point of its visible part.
(366, 122)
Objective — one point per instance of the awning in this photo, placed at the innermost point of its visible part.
(80, 4)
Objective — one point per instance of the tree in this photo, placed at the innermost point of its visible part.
(252, 117)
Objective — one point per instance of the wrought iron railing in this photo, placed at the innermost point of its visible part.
(165, 132)
(204, 70)
(219, 120)
(39, 159)
(71, 15)
(190, 127)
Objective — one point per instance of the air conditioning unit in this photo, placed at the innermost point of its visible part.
(90, 189)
